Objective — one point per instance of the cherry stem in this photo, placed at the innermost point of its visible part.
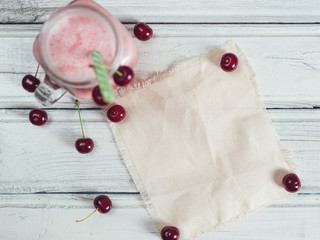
(112, 69)
(116, 71)
(88, 216)
(78, 105)
(37, 71)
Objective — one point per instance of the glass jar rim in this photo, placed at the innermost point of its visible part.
(44, 33)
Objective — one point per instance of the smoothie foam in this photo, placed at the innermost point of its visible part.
(71, 41)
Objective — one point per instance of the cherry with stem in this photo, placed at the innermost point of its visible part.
(122, 76)
(30, 83)
(126, 77)
(83, 145)
(102, 203)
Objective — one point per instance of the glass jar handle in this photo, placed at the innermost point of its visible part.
(48, 93)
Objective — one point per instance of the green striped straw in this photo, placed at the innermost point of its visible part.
(103, 77)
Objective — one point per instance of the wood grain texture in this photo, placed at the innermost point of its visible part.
(34, 159)
(191, 11)
(53, 217)
(285, 58)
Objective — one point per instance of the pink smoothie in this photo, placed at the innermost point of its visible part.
(73, 37)
(72, 40)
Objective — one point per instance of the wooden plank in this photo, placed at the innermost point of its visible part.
(53, 217)
(120, 201)
(27, 11)
(37, 159)
(285, 57)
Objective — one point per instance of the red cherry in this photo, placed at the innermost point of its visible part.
(170, 233)
(97, 97)
(38, 117)
(291, 182)
(126, 77)
(116, 113)
(229, 62)
(103, 203)
(142, 31)
(30, 83)
(84, 145)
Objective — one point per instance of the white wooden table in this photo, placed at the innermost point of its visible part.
(45, 184)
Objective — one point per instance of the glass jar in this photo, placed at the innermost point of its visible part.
(65, 43)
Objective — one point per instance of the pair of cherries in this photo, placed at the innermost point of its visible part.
(30, 83)
(103, 204)
(115, 113)
(291, 181)
(39, 117)
(122, 77)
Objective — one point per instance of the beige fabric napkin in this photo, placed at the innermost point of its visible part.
(200, 146)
